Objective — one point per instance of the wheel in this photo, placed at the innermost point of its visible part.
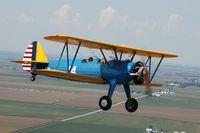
(32, 78)
(131, 105)
(105, 103)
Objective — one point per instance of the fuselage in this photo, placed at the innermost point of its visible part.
(111, 70)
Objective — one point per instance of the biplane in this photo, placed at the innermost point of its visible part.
(99, 71)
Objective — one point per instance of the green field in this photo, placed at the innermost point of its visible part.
(100, 122)
(39, 110)
(184, 98)
(106, 122)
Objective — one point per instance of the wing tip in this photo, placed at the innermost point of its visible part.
(171, 56)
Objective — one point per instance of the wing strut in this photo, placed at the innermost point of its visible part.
(67, 50)
(115, 54)
(60, 57)
(157, 67)
(75, 56)
(120, 57)
(149, 61)
(133, 56)
(103, 54)
(69, 68)
(149, 67)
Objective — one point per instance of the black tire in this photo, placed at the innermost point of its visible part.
(105, 103)
(32, 78)
(131, 105)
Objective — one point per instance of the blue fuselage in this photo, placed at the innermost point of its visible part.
(112, 70)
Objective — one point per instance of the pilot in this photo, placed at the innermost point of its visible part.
(101, 61)
(90, 59)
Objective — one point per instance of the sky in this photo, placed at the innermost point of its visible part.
(169, 26)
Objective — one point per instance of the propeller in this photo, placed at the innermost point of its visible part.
(148, 89)
(140, 76)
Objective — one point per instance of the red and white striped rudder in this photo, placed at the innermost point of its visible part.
(28, 57)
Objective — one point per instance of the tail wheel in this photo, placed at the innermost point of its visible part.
(105, 103)
(131, 105)
(32, 78)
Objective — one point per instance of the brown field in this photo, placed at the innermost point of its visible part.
(179, 114)
(82, 97)
(68, 96)
(53, 94)
(12, 123)
(78, 97)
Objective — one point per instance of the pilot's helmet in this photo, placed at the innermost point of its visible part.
(90, 59)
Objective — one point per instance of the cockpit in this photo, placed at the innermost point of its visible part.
(91, 59)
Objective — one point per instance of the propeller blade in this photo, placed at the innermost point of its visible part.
(145, 74)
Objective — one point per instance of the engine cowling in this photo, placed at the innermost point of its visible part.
(137, 73)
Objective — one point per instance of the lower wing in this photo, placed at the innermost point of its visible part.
(68, 76)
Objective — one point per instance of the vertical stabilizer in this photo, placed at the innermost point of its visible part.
(33, 54)
(40, 54)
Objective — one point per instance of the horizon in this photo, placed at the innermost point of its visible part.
(56, 56)
(168, 26)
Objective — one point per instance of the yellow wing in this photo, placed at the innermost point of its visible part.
(149, 85)
(97, 45)
(33, 61)
(68, 76)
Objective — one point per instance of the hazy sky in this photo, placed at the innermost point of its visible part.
(164, 25)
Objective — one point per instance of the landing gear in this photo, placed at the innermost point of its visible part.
(131, 105)
(105, 103)
(32, 78)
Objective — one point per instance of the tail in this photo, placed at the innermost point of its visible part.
(34, 57)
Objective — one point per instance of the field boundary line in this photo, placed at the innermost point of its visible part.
(97, 111)
(54, 122)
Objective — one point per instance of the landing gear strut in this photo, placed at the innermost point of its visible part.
(131, 104)
(105, 102)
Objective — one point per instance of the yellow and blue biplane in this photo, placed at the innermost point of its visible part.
(99, 71)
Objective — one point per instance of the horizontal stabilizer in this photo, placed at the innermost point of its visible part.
(24, 61)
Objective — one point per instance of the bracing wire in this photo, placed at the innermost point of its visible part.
(79, 53)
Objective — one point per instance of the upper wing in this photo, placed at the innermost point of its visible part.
(101, 45)
(68, 76)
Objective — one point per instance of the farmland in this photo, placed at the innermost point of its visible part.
(40, 106)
